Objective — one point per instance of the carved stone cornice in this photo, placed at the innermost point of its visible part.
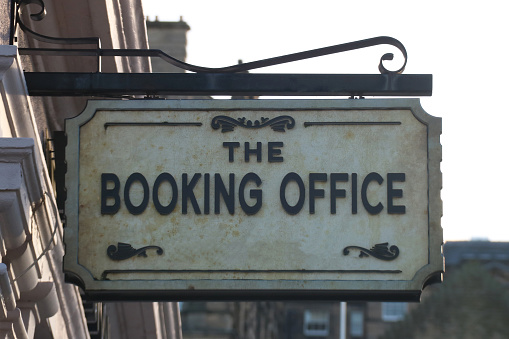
(7, 55)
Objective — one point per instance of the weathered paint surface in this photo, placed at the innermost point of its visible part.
(271, 244)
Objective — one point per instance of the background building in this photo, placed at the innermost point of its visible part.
(472, 302)
(169, 37)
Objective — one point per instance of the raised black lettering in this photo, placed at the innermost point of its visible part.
(335, 192)
(112, 193)
(135, 210)
(164, 210)
(257, 151)
(206, 194)
(255, 194)
(231, 147)
(354, 193)
(315, 192)
(373, 176)
(282, 193)
(188, 194)
(274, 153)
(220, 190)
(394, 193)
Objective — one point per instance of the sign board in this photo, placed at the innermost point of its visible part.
(185, 199)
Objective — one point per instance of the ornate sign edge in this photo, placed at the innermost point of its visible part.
(255, 289)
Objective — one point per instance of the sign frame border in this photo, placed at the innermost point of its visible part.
(202, 289)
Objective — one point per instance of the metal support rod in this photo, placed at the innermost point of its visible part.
(59, 143)
(155, 53)
(230, 80)
(244, 84)
(342, 320)
(238, 68)
(12, 24)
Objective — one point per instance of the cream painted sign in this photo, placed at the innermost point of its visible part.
(241, 198)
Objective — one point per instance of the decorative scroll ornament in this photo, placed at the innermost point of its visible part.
(277, 124)
(379, 251)
(44, 38)
(238, 68)
(126, 251)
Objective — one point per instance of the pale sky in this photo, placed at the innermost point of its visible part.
(464, 44)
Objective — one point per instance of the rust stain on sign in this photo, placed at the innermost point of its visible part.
(254, 192)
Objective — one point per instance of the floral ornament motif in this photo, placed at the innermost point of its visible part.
(227, 124)
(125, 251)
(380, 251)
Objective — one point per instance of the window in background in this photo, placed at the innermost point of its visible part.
(356, 324)
(393, 311)
(316, 323)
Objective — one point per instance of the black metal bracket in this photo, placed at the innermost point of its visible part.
(230, 80)
(12, 23)
(59, 143)
(238, 84)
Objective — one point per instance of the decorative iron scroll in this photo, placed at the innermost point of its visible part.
(44, 38)
(126, 251)
(379, 251)
(277, 124)
(98, 52)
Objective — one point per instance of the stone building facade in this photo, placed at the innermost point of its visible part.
(36, 302)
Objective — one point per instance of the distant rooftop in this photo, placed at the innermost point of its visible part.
(168, 24)
(456, 252)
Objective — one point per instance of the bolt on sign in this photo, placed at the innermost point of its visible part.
(275, 199)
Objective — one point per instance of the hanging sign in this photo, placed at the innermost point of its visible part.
(253, 198)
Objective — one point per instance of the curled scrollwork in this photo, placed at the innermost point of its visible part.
(36, 16)
(44, 38)
(125, 251)
(238, 68)
(379, 251)
(390, 56)
(227, 124)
